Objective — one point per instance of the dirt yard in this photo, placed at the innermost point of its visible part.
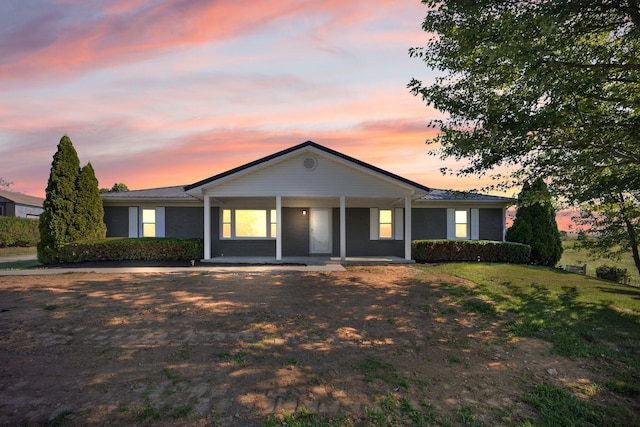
(235, 349)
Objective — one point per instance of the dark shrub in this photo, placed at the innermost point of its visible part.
(470, 250)
(22, 232)
(146, 249)
(612, 273)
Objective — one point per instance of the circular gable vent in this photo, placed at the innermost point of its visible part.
(310, 163)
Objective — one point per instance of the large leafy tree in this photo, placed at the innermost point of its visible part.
(549, 88)
(57, 222)
(89, 208)
(535, 224)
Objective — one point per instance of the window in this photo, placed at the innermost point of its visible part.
(249, 223)
(462, 224)
(385, 224)
(148, 223)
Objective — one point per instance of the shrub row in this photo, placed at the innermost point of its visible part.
(146, 249)
(22, 232)
(470, 250)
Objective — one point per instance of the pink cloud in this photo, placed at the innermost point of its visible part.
(74, 38)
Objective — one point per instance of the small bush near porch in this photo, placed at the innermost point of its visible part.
(470, 250)
(146, 249)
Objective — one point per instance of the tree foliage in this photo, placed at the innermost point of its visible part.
(535, 224)
(117, 188)
(4, 183)
(550, 88)
(89, 208)
(70, 206)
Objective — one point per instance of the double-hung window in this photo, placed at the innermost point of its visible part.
(249, 223)
(386, 224)
(148, 222)
(463, 224)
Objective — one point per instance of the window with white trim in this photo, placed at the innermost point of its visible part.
(249, 224)
(462, 224)
(386, 224)
(148, 222)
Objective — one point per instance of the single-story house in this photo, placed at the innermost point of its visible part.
(305, 201)
(20, 205)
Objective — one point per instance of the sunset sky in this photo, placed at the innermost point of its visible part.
(165, 92)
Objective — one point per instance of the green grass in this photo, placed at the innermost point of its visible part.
(574, 256)
(19, 265)
(582, 317)
(558, 407)
(12, 251)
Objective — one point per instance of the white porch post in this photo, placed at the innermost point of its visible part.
(343, 228)
(278, 228)
(407, 228)
(207, 227)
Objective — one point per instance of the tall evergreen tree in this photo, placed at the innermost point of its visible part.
(57, 221)
(535, 224)
(89, 208)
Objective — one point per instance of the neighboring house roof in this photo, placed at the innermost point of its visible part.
(299, 147)
(22, 199)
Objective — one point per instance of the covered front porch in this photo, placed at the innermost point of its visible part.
(348, 229)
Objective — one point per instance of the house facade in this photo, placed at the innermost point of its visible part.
(305, 201)
(20, 205)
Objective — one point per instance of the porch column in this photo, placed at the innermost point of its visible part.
(207, 227)
(278, 228)
(343, 228)
(407, 228)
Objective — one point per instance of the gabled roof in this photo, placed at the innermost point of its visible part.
(299, 147)
(22, 199)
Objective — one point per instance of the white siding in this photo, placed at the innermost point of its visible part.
(290, 178)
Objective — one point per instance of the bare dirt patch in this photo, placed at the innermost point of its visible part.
(234, 349)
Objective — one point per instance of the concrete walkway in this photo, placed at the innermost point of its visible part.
(236, 265)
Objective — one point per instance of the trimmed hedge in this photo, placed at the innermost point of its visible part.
(470, 250)
(18, 232)
(145, 249)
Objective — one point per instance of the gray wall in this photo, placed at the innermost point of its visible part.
(184, 222)
(116, 218)
(358, 232)
(491, 223)
(428, 223)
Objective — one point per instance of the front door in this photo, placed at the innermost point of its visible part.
(320, 231)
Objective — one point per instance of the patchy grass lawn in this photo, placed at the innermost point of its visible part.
(452, 345)
(5, 252)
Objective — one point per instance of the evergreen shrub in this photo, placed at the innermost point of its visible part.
(470, 250)
(612, 273)
(18, 232)
(137, 249)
